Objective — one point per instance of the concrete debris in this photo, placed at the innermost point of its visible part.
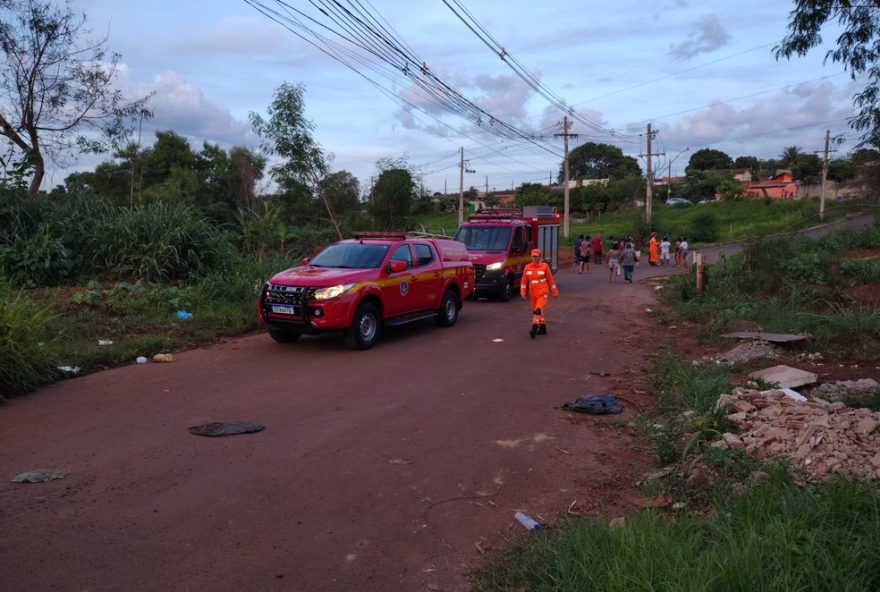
(785, 376)
(762, 336)
(842, 389)
(820, 438)
(748, 351)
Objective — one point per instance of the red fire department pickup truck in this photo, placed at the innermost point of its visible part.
(363, 284)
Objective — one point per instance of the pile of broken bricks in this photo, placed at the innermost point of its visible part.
(820, 438)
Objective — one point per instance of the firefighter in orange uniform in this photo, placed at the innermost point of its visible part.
(539, 281)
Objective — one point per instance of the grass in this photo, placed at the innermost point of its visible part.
(776, 536)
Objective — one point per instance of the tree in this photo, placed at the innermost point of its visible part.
(599, 161)
(858, 49)
(753, 163)
(393, 193)
(808, 168)
(343, 192)
(708, 159)
(287, 133)
(55, 83)
(790, 156)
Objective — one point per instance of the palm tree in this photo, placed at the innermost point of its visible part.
(790, 156)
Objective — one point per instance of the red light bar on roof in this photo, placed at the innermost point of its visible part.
(387, 235)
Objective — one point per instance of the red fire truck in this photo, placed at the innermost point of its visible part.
(361, 285)
(499, 242)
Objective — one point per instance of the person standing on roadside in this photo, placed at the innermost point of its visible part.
(577, 253)
(613, 263)
(664, 251)
(586, 253)
(678, 252)
(628, 258)
(684, 252)
(597, 248)
(538, 280)
(653, 250)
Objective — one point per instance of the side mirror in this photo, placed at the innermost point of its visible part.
(396, 266)
(304, 261)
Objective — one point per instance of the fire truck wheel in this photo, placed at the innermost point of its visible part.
(283, 336)
(365, 327)
(449, 307)
(506, 290)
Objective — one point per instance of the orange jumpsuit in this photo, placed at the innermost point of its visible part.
(539, 280)
(653, 251)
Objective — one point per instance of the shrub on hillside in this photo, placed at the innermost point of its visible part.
(703, 228)
(24, 363)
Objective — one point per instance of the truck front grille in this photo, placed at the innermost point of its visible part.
(276, 294)
(479, 271)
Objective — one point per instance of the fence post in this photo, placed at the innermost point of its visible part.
(698, 263)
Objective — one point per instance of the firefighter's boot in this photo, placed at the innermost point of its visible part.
(534, 331)
(542, 330)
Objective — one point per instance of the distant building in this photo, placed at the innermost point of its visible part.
(780, 186)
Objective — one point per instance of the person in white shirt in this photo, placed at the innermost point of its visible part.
(684, 252)
(664, 251)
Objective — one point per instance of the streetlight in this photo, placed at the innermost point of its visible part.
(669, 178)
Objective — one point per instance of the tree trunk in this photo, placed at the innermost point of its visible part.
(39, 172)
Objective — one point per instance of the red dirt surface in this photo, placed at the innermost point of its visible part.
(398, 468)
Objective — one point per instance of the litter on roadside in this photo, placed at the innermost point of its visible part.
(38, 476)
(183, 315)
(163, 358)
(785, 376)
(228, 428)
(595, 405)
(527, 521)
(69, 369)
(141, 360)
(105, 342)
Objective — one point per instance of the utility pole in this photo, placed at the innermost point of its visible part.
(461, 188)
(461, 173)
(824, 175)
(487, 185)
(565, 202)
(649, 190)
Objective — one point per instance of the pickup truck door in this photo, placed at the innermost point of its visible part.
(428, 277)
(396, 290)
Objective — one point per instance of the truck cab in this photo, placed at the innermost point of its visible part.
(499, 241)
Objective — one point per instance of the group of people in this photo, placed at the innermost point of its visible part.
(618, 254)
(658, 251)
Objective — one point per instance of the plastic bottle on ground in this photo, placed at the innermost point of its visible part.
(527, 521)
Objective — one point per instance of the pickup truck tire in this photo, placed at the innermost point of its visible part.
(448, 311)
(365, 327)
(283, 335)
(506, 290)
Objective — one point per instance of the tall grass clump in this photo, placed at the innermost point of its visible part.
(159, 241)
(776, 536)
(24, 363)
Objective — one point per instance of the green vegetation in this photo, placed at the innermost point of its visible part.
(777, 536)
(745, 524)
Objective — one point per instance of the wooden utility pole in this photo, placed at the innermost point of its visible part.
(461, 188)
(824, 176)
(649, 190)
(565, 201)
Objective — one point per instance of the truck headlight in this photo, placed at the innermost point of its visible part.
(495, 266)
(332, 291)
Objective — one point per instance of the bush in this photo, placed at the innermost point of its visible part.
(703, 228)
(24, 363)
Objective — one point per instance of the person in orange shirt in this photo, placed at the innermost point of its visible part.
(538, 279)
(653, 250)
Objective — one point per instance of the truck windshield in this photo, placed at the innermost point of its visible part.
(350, 255)
(484, 238)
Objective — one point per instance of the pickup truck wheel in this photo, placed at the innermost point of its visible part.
(506, 290)
(449, 307)
(365, 327)
(283, 336)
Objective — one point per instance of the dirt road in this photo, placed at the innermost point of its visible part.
(391, 469)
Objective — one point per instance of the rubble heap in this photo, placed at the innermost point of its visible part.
(819, 437)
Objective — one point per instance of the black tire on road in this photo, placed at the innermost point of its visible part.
(366, 326)
(447, 314)
(507, 290)
(283, 335)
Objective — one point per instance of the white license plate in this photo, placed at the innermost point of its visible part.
(282, 309)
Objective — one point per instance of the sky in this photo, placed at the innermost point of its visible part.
(703, 74)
